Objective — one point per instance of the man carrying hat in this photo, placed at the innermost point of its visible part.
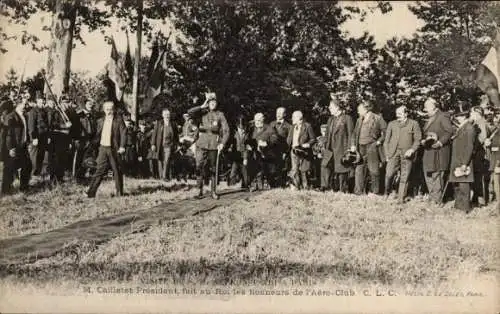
(368, 135)
(213, 136)
(402, 140)
(436, 157)
(262, 145)
(338, 137)
(301, 139)
(462, 166)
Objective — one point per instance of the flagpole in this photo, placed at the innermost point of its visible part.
(135, 83)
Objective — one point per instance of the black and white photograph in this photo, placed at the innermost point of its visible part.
(249, 156)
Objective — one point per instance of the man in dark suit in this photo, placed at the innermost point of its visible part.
(239, 154)
(88, 127)
(492, 144)
(368, 136)
(338, 137)
(301, 139)
(142, 147)
(263, 141)
(163, 143)
(111, 136)
(282, 128)
(402, 140)
(436, 158)
(38, 130)
(462, 165)
(15, 151)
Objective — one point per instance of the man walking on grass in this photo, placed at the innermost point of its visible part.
(111, 135)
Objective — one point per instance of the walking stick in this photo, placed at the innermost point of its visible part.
(217, 169)
(444, 191)
(73, 172)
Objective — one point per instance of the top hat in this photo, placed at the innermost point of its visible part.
(350, 158)
(299, 151)
(430, 139)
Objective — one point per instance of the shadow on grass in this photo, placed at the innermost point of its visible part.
(195, 272)
(161, 188)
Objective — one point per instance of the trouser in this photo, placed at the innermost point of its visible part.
(370, 161)
(206, 160)
(142, 167)
(164, 165)
(78, 157)
(281, 165)
(34, 153)
(340, 182)
(395, 163)
(298, 176)
(480, 187)
(237, 168)
(10, 167)
(435, 184)
(106, 158)
(153, 168)
(264, 168)
(326, 177)
(59, 156)
(462, 196)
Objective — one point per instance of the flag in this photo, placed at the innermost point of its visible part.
(156, 76)
(116, 71)
(128, 61)
(488, 72)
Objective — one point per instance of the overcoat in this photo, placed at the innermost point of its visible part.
(213, 129)
(158, 141)
(438, 159)
(494, 150)
(267, 134)
(338, 137)
(462, 152)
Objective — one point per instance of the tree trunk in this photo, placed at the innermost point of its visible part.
(61, 45)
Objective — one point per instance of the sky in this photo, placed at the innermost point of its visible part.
(93, 56)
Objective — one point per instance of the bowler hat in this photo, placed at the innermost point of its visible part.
(350, 158)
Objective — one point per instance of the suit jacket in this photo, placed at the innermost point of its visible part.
(213, 129)
(306, 135)
(339, 132)
(118, 132)
(463, 151)
(239, 143)
(376, 125)
(409, 136)
(158, 141)
(494, 150)
(13, 133)
(267, 134)
(143, 144)
(282, 132)
(37, 123)
(438, 159)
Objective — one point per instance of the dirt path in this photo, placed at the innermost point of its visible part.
(31, 247)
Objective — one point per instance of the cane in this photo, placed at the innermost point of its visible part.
(73, 172)
(217, 169)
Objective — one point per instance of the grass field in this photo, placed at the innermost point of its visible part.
(277, 237)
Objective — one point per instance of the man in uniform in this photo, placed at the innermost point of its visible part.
(368, 135)
(436, 158)
(212, 138)
(282, 128)
(402, 140)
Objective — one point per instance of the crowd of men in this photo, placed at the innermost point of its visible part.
(48, 140)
